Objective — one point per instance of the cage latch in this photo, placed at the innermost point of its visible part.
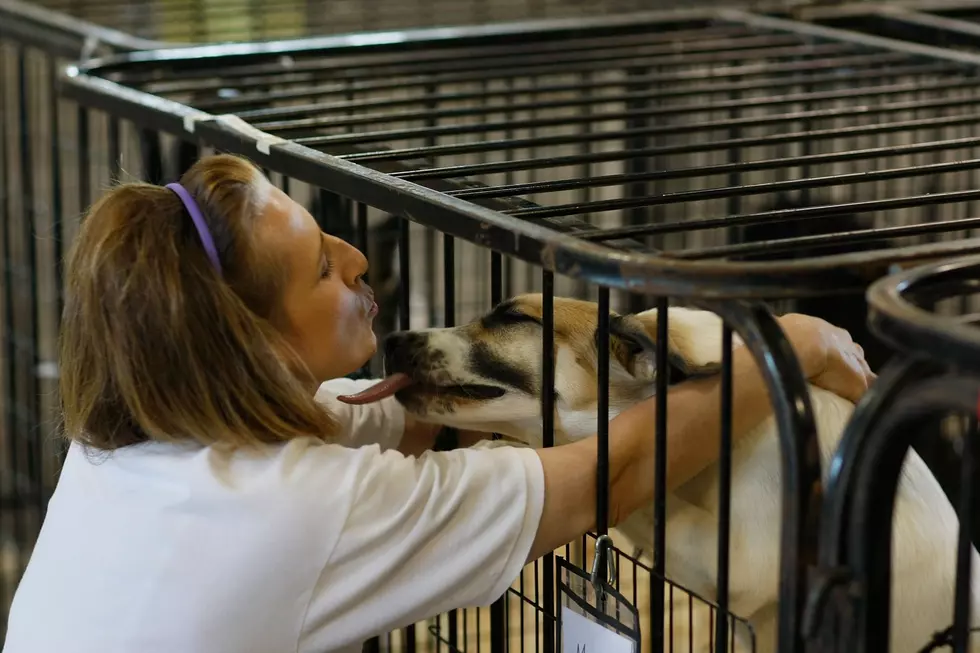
(603, 554)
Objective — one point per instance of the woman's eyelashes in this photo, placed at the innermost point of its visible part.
(326, 267)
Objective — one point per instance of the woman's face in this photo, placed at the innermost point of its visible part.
(327, 309)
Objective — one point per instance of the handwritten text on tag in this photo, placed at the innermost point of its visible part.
(581, 635)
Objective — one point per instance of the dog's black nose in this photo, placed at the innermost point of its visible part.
(401, 349)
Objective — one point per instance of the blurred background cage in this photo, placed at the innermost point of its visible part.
(685, 135)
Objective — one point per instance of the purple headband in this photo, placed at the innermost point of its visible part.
(199, 223)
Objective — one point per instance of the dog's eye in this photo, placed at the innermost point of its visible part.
(508, 318)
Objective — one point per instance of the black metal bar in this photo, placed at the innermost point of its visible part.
(799, 453)
(548, 432)
(28, 339)
(964, 546)
(361, 242)
(113, 145)
(152, 155)
(660, 480)
(498, 610)
(404, 274)
(724, 490)
(83, 162)
(602, 428)
(449, 320)
(57, 208)
(10, 324)
(404, 322)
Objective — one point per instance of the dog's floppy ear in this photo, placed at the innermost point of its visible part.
(633, 343)
(632, 347)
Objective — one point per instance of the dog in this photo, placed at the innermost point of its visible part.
(485, 376)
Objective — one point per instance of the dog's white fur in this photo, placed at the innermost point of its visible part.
(925, 524)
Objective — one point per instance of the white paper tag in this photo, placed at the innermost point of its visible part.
(582, 635)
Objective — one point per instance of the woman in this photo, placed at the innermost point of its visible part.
(218, 498)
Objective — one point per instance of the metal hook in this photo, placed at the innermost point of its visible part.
(603, 546)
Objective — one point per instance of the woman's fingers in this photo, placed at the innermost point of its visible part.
(828, 355)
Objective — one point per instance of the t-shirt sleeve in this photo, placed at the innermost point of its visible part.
(444, 531)
(381, 423)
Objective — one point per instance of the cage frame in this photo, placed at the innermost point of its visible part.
(548, 250)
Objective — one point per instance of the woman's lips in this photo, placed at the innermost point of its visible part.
(373, 310)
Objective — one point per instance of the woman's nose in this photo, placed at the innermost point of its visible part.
(355, 263)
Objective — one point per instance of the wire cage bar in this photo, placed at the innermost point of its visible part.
(925, 400)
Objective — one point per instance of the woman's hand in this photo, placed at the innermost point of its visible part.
(829, 357)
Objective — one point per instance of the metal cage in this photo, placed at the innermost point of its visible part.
(576, 158)
(552, 145)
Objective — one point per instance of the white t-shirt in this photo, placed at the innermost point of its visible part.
(301, 547)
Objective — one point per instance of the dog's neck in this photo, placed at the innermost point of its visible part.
(572, 424)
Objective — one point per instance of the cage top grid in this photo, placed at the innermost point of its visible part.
(701, 124)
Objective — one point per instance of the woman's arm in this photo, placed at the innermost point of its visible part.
(829, 358)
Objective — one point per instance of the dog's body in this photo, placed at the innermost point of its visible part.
(485, 376)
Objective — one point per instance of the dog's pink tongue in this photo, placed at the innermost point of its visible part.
(380, 390)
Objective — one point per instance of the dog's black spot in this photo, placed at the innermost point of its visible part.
(505, 314)
(405, 351)
(483, 362)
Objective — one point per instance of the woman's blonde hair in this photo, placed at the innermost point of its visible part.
(155, 345)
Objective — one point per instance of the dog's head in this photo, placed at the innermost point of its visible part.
(486, 375)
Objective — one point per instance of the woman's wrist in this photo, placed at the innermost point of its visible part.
(807, 337)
